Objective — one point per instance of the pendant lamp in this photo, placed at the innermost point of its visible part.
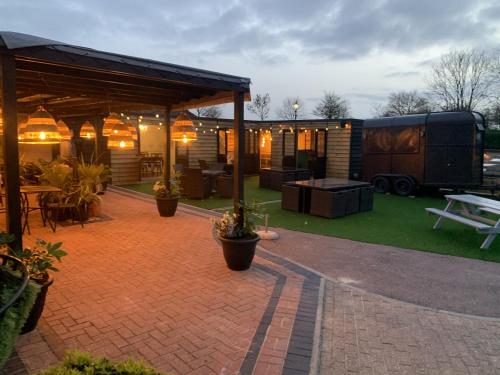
(41, 128)
(87, 131)
(64, 130)
(109, 124)
(121, 138)
(183, 129)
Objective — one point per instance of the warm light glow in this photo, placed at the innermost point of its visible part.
(296, 105)
(87, 130)
(183, 129)
(157, 115)
(122, 144)
(110, 123)
(41, 128)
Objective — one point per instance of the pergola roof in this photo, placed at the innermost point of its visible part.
(76, 81)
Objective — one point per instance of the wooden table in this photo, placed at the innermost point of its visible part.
(25, 203)
(469, 212)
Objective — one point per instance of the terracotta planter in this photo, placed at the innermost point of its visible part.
(95, 209)
(239, 253)
(167, 206)
(37, 309)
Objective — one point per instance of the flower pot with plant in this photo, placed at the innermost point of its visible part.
(167, 199)
(39, 260)
(236, 232)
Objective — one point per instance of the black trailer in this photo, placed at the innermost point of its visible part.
(438, 149)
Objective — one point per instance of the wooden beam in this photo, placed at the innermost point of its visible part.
(11, 149)
(168, 144)
(239, 154)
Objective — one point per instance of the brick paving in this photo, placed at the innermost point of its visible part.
(156, 288)
(363, 333)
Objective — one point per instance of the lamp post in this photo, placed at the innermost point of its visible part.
(296, 107)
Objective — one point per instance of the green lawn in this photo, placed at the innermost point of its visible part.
(396, 221)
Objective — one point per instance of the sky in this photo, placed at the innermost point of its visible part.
(360, 49)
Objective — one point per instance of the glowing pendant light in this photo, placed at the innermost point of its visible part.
(87, 131)
(133, 132)
(41, 128)
(109, 124)
(183, 129)
(121, 138)
(63, 130)
(1, 122)
(20, 132)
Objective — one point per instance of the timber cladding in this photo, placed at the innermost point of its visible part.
(338, 152)
(125, 166)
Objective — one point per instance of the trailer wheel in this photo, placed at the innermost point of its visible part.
(403, 186)
(381, 184)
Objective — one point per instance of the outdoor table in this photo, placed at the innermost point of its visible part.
(274, 178)
(212, 175)
(34, 189)
(471, 208)
(327, 184)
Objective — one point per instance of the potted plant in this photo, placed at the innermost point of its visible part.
(39, 260)
(105, 178)
(89, 203)
(167, 199)
(238, 237)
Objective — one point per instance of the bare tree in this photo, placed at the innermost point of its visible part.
(405, 103)
(462, 80)
(492, 114)
(211, 112)
(260, 106)
(287, 110)
(332, 106)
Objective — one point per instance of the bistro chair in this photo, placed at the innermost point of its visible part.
(194, 184)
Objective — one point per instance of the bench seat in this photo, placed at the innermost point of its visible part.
(480, 227)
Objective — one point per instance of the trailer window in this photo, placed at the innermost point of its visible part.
(406, 140)
(378, 141)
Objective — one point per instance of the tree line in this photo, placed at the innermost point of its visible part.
(461, 80)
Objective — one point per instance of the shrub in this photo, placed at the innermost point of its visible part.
(492, 139)
(79, 363)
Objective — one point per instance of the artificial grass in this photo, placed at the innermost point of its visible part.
(396, 221)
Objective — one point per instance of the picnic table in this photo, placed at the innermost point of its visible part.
(470, 211)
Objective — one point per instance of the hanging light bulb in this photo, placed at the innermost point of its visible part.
(1, 122)
(109, 124)
(133, 131)
(41, 128)
(87, 130)
(64, 130)
(183, 129)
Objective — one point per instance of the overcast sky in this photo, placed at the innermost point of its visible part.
(361, 49)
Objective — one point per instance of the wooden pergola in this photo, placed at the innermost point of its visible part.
(79, 82)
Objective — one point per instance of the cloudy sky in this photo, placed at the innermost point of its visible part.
(361, 49)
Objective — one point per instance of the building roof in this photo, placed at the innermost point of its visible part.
(43, 66)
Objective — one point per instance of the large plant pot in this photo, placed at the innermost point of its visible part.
(239, 253)
(37, 309)
(95, 209)
(167, 206)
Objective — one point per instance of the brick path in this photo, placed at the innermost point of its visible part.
(363, 333)
(157, 288)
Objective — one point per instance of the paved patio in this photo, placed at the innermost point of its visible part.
(157, 288)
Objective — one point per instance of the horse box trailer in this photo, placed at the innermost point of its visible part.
(437, 149)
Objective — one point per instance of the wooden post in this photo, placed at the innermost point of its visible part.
(11, 149)
(168, 143)
(239, 153)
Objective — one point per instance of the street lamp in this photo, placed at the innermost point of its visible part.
(296, 107)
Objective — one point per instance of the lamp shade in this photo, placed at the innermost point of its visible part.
(41, 128)
(1, 122)
(109, 124)
(121, 138)
(133, 132)
(20, 131)
(87, 131)
(63, 130)
(183, 129)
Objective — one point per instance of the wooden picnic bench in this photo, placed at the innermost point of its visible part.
(469, 213)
